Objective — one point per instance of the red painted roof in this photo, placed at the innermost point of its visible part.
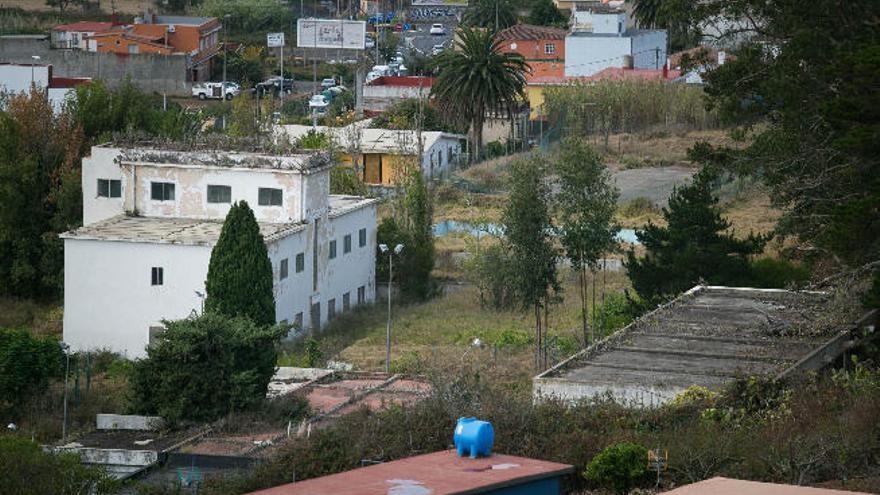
(725, 486)
(85, 26)
(410, 81)
(68, 82)
(530, 32)
(439, 473)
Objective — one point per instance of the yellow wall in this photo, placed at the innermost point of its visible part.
(391, 166)
(535, 94)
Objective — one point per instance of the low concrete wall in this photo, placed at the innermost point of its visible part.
(120, 463)
(149, 72)
(128, 422)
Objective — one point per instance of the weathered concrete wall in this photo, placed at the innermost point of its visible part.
(119, 463)
(162, 74)
(127, 422)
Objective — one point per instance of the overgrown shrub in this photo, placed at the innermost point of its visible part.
(344, 180)
(26, 365)
(204, 367)
(25, 469)
(494, 149)
(492, 271)
(775, 273)
(621, 466)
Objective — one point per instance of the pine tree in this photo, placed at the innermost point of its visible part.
(240, 273)
(692, 247)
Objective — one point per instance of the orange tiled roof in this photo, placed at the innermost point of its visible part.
(531, 32)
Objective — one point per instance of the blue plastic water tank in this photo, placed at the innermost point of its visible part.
(473, 437)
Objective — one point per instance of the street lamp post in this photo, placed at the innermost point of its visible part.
(35, 58)
(66, 348)
(397, 250)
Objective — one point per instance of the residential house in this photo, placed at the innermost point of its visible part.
(197, 38)
(542, 47)
(18, 78)
(74, 36)
(385, 91)
(380, 155)
(599, 39)
(151, 217)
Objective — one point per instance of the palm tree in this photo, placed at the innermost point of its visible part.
(492, 14)
(475, 78)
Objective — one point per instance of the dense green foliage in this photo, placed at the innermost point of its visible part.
(621, 466)
(406, 114)
(492, 14)
(314, 140)
(26, 365)
(545, 13)
(40, 160)
(243, 70)
(240, 273)
(203, 367)
(774, 273)
(26, 470)
(606, 107)
(693, 247)
(804, 92)
(411, 226)
(528, 231)
(671, 15)
(586, 203)
(477, 77)
(248, 17)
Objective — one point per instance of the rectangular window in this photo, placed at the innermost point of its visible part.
(333, 249)
(298, 320)
(162, 191)
(219, 194)
(346, 301)
(269, 197)
(549, 49)
(300, 262)
(346, 244)
(158, 276)
(283, 270)
(362, 237)
(331, 309)
(109, 188)
(362, 294)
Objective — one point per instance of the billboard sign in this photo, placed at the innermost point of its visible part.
(274, 40)
(444, 3)
(330, 33)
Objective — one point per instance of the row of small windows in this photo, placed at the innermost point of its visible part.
(164, 191)
(301, 257)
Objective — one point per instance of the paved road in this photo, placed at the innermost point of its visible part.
(655, 183)
(422, 42)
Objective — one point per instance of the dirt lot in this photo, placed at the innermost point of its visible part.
(656, 183)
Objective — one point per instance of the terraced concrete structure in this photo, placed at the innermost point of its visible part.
(707, 337)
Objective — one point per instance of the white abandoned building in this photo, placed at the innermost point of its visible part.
(151, 218)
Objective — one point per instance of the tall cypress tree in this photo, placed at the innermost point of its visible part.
(240, 273)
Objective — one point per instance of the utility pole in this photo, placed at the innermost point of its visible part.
(225, 56)
(397, 250)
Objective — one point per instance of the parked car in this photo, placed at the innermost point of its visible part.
(437, 50)
(215, 90)
(328, 83)
(437, 29)
(274, 85)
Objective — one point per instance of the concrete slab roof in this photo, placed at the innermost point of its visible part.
(706, 337)
(438, 473)
(213, 154)
(156, 230)
(726, 486)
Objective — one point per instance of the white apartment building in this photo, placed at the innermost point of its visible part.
(599, 39)
(151, 218)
